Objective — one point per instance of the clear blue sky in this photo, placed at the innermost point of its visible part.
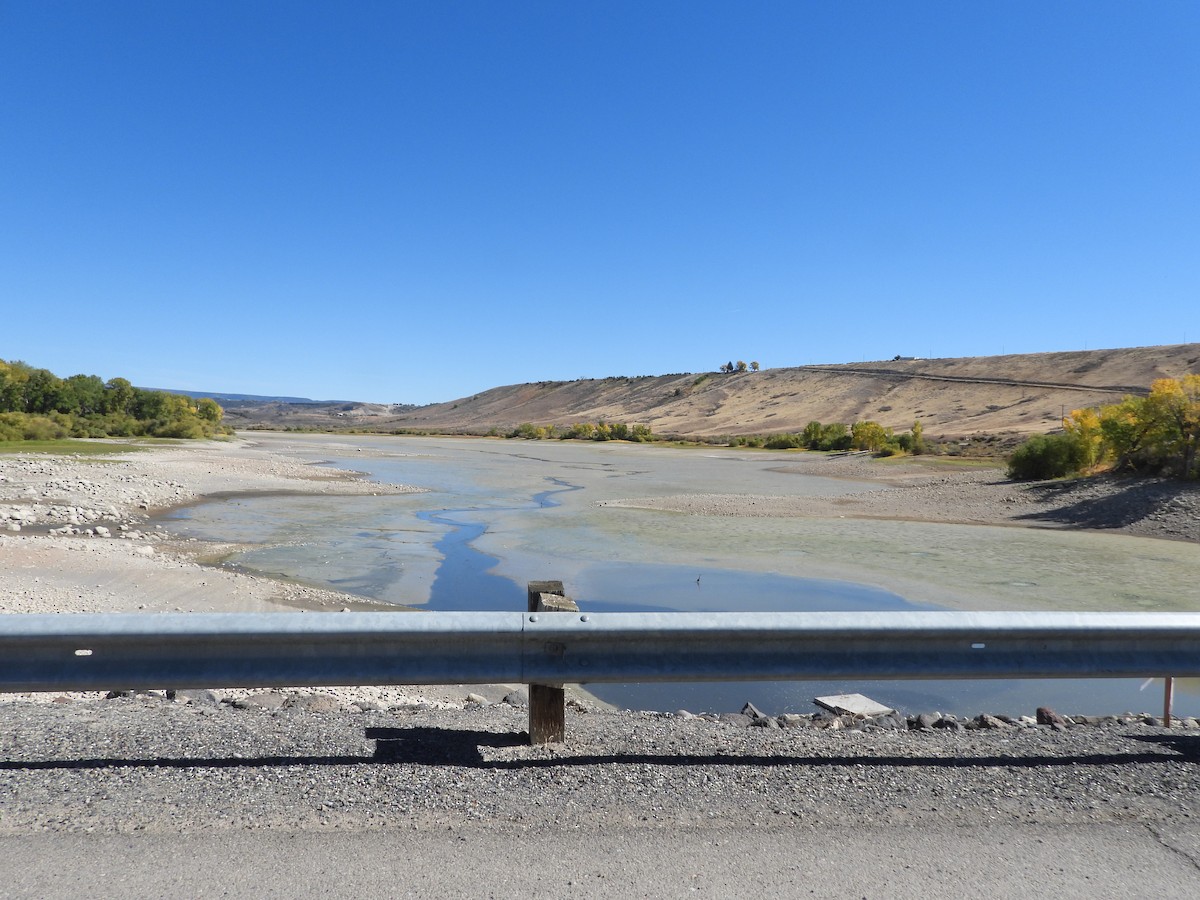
(416, 201)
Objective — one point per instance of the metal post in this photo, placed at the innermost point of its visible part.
(547, 702)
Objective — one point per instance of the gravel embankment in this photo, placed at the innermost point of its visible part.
(145, 763)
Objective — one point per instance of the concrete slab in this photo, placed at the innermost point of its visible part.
(852, 704)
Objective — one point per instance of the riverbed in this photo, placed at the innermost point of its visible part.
(497, 514)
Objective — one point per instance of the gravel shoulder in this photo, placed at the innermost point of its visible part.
(143, 763)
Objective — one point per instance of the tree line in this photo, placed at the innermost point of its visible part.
(1157, 434)
(584, 431)
(865, 435)
(35, 404)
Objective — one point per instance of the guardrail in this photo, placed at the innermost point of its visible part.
(547, 647)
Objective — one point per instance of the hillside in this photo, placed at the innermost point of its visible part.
(953, 398)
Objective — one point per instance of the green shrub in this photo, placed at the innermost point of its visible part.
(1047, 456)
(784, 442)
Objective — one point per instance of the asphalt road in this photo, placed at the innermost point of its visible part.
(997, 862)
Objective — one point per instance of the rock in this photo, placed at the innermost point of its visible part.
(478, 700)
(924, 722)
(793, 720)
(752, 711)
(1047, 716)
(949, 723)
(684, 714)
(766, 722)
(516, 698)
(983, 720)
(101, 531)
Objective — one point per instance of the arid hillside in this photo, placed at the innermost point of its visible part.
(952, 398)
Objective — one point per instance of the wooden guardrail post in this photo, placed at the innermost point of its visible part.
(547, 702)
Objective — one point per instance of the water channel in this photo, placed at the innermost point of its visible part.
(495, 515)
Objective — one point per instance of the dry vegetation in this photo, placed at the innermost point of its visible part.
(1014, 395)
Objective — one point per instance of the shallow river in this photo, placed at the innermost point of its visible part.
(497, 514)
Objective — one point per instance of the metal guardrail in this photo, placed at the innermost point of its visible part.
(132, 651)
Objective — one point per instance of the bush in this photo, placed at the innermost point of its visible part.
(1047, 456)
(784, 442)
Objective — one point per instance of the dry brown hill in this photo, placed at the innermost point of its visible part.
(952, 398)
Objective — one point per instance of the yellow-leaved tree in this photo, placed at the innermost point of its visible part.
(1084, 426)
(1172, 414)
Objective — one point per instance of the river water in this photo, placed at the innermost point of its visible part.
(497, 514)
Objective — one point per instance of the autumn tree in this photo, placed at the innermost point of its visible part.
(869, 435)
(1158, 432)
(36, 403)
(1084, 427)
(1172, 415)
(918, 438)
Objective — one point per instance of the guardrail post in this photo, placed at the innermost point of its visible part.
(547, 702)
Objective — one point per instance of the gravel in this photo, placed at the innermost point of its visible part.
(146, 763)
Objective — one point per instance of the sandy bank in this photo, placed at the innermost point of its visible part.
(75, 533)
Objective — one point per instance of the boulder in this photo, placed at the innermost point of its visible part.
(1047, 716)
(983, 720)
(753, 711)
